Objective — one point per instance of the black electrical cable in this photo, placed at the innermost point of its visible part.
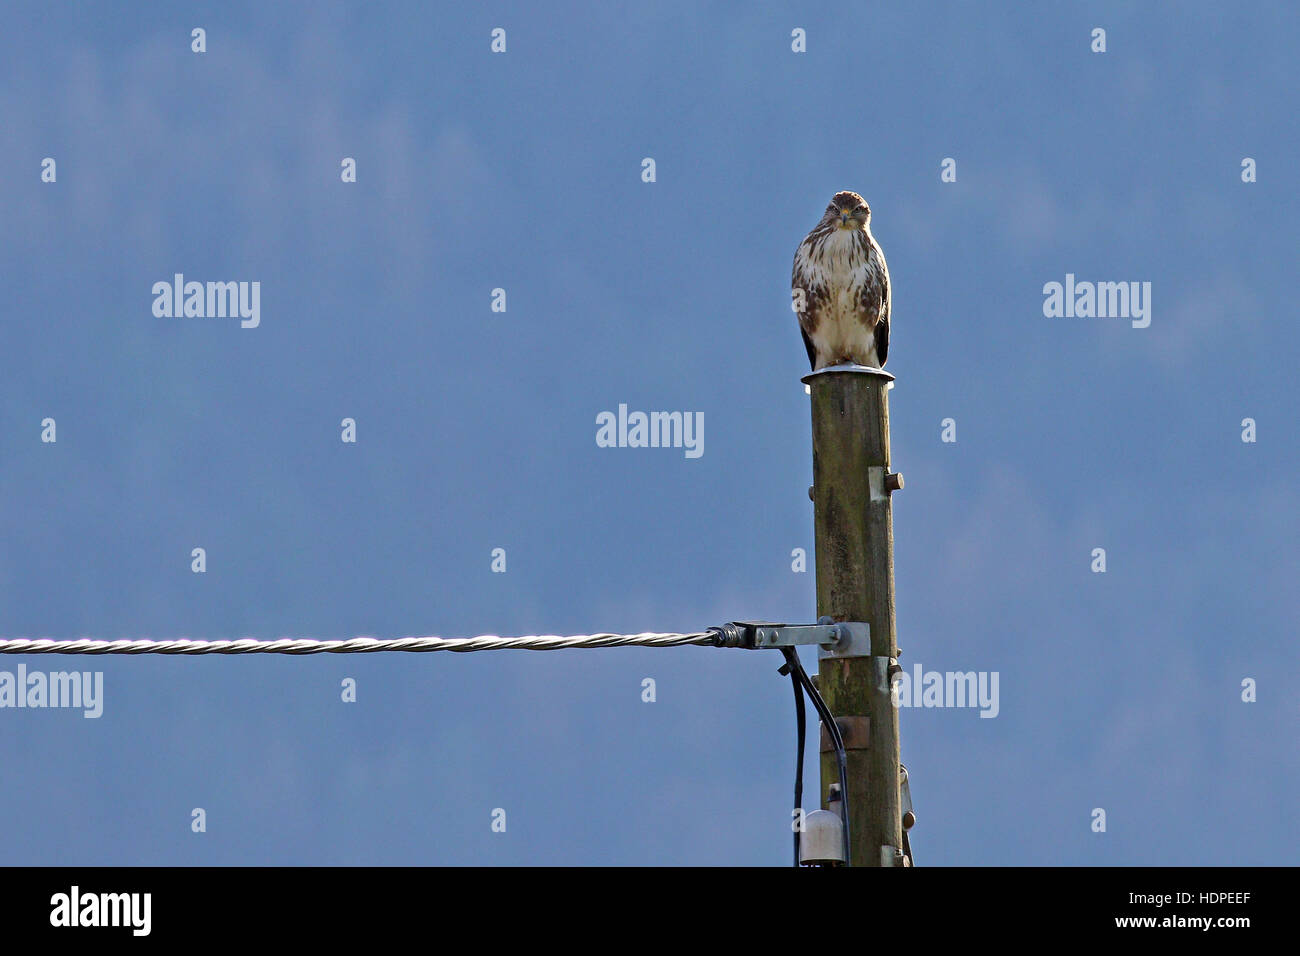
(828, 721)
(801, 724)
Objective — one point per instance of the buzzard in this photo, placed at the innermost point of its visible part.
(840, 288)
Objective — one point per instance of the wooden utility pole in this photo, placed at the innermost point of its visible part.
(851, 492)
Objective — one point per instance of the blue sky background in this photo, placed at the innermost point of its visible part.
(477, 429)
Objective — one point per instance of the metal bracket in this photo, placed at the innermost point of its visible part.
(905, 799)
(836, 640)
(854, 731)
(857, 644)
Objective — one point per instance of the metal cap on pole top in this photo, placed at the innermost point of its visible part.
(851, 369)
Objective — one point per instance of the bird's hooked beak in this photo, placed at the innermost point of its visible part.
(846, 219)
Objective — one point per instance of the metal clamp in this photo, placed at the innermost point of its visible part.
(893, 856)
(858, 643)
(833, 639)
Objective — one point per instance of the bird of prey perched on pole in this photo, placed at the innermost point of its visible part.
(840, 288)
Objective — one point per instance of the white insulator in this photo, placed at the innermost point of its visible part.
(822, 840)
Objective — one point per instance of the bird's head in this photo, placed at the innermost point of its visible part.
(848, 211)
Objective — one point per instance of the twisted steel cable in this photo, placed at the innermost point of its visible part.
(354, 645)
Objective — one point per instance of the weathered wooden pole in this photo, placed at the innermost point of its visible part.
(851, 491)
